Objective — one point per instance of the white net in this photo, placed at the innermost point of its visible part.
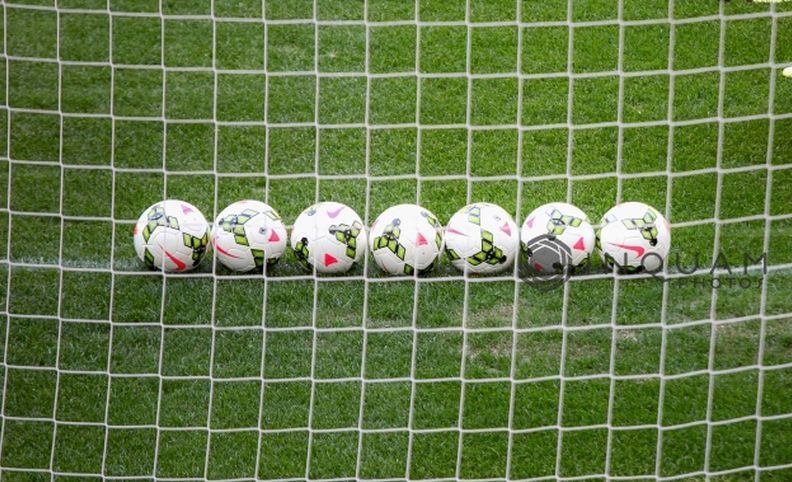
(113, 371)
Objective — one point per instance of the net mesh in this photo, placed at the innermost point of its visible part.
(110, 370)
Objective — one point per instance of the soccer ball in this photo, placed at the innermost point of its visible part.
(329, 236)
(247, 234)
(172, 236)
(481, 238)
(557, 237)
(634, 237)
(405, 239)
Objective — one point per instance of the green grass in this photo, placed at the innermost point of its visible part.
(103, 369)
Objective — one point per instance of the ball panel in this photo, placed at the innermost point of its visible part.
(329, 236)
(406, 238)
(171, 235)
(557, 236)
(482, 238)
(233, 255)
(255, 227)
(634, 237)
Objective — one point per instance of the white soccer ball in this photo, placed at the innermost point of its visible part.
(634, 237)
(557, 237)
(481, 238)
(171, 236)
(247, 235)
(405, 239)
(329, 236)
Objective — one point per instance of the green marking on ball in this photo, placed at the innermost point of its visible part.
(390, 239)
(301, 252)
(235, 224)
(156, 217)
(348, 235)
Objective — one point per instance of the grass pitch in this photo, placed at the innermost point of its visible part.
(109, 370)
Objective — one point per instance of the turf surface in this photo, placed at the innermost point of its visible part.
(111, 370)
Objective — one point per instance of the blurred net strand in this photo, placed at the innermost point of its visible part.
(715, 274)
(559, 427)
(212, 322)
(390, 23)
(716, 243)
(565, 299)
(516, 294)
(716, 249)
(418, 74)
(397, 177)
(501, 329)
(429, 127)
(619, 188)
(60, 259)
(766, 246)
(414, 315)
(468, 195)
(419, 381)
(315, 303)
(6, 309)
(163, 290)
(265, 293)
(518, 431)
(664, 304)
(111, 304)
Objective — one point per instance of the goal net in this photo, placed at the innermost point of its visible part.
(113, 371)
